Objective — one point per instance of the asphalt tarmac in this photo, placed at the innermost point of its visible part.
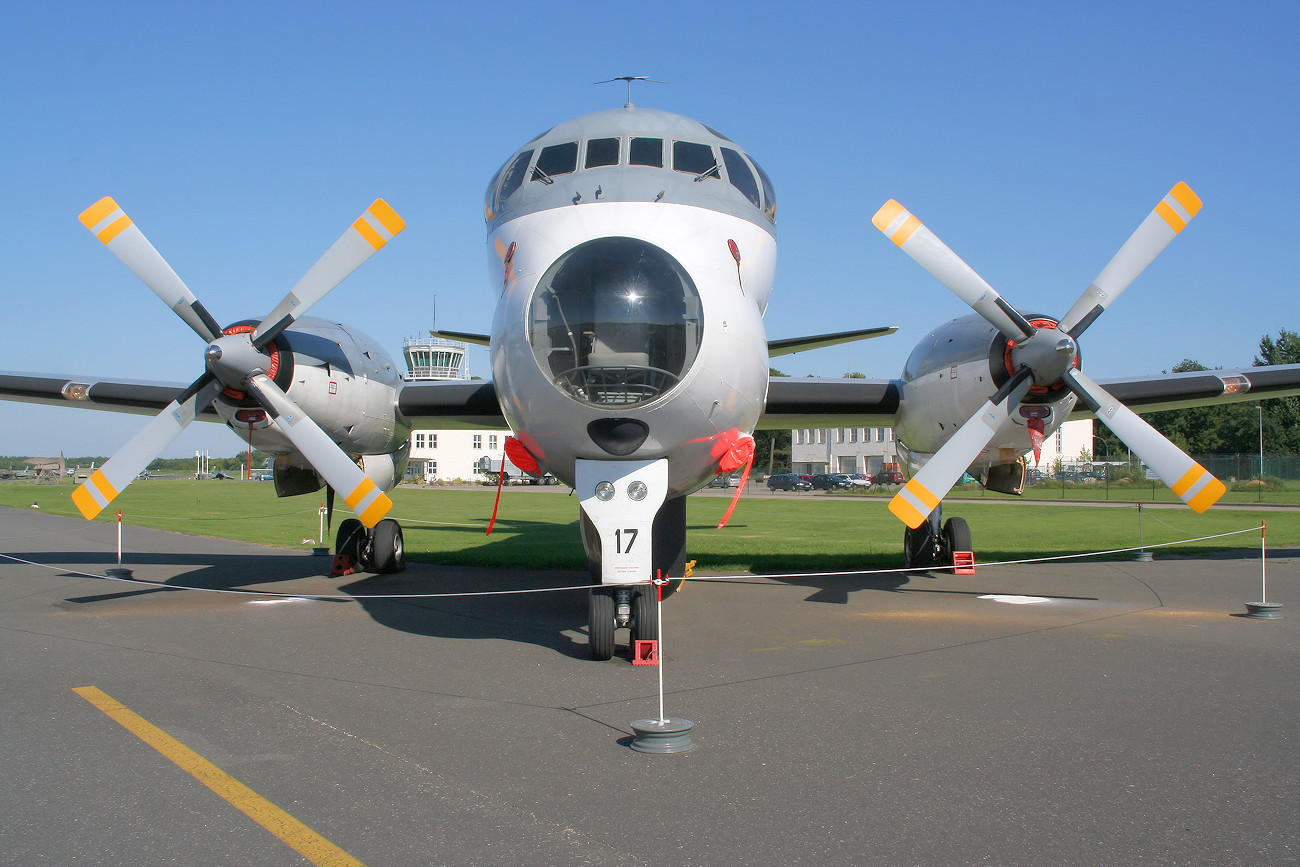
(1131, 715)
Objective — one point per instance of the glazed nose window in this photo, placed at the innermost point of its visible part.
(615, 322)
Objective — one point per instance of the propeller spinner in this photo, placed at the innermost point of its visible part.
(1046, 356)
(236, 360)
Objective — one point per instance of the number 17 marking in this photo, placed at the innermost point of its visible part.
(631, 539)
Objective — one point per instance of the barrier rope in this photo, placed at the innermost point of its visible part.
(735, 577)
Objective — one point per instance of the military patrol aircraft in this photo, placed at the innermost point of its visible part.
(631, 256)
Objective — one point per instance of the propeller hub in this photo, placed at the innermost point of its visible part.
(1048, 353)
(231, 358)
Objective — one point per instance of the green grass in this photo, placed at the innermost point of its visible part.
(539, 529)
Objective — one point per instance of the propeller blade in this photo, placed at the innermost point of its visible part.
(131, 459)
(925, 490)
(339, 471)
(378, 225)
(1193, 484)
(125, 240)
(910, 234)
(1169, 217)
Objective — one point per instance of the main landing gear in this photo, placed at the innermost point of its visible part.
(378, 550)
(932, 544)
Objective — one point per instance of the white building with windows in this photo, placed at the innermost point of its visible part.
(446, 455)
(868, 450)
(863, 450)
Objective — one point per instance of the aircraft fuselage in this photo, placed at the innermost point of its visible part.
(633, 253)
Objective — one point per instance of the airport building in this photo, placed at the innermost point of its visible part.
(445, 455)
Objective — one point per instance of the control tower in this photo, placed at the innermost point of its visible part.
(434, 358)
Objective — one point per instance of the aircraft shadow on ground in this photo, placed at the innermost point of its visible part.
(554, 619)
(517, 610)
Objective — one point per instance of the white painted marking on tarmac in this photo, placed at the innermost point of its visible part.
(1016, 600)
(275, 601)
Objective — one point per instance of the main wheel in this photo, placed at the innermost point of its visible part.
(600, 629)
(956, 537)
(386, 547)
(918, 547)
(350, 539)
(645, 611)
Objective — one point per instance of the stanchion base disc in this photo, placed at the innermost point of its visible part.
(662, 736)
(1264, 610)
(1143, 557)
(320, 552)
(118, 572)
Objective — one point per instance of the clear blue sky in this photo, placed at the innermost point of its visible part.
(244, 137)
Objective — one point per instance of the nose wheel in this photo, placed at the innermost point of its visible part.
(379, 550)
(626, 606)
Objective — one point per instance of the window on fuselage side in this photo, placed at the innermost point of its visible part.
(646, 152)
(769, 193)
(560, 159)
(740, 176)
(694, 159)
(514, 176)
(601, 152)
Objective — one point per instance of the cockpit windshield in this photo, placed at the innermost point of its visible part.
(615, 322)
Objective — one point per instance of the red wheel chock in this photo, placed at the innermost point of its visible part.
(342, 565)
(963, 562)
(645, 652)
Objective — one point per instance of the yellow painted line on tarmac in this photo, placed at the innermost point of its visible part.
(293, 833)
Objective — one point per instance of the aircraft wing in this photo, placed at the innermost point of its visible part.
(1201, 388)
(791, 345)
(143, 397)
(824, 403)
(451, 404)
(442, 405)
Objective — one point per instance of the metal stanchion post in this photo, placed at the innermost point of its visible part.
(1143, 555)
(118, 571)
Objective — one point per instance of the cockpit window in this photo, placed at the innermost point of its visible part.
(601, 152)
(514, 176)
(695, 159)
(615, 322)
(646, 152)
(769, 194)
(560, 159)
(740, 176)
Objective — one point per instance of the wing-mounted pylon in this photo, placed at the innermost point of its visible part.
(1045, 355)
(237, 360)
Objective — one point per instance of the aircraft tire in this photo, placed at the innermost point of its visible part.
(645, 610)
(387, 549)
(350, 540)
(918, 547)
(956, 537)
(600, 630)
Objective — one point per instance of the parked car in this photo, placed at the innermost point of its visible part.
(788, 482)
(857, 480)
(831, 482)
(887, 477)
(731, 481)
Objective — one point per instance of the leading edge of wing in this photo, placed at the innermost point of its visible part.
(142, 397)
(451, 404)
(829, 403)
(1201, 388)
(791, 345)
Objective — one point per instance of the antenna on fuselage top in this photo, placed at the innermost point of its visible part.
(629, 79)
